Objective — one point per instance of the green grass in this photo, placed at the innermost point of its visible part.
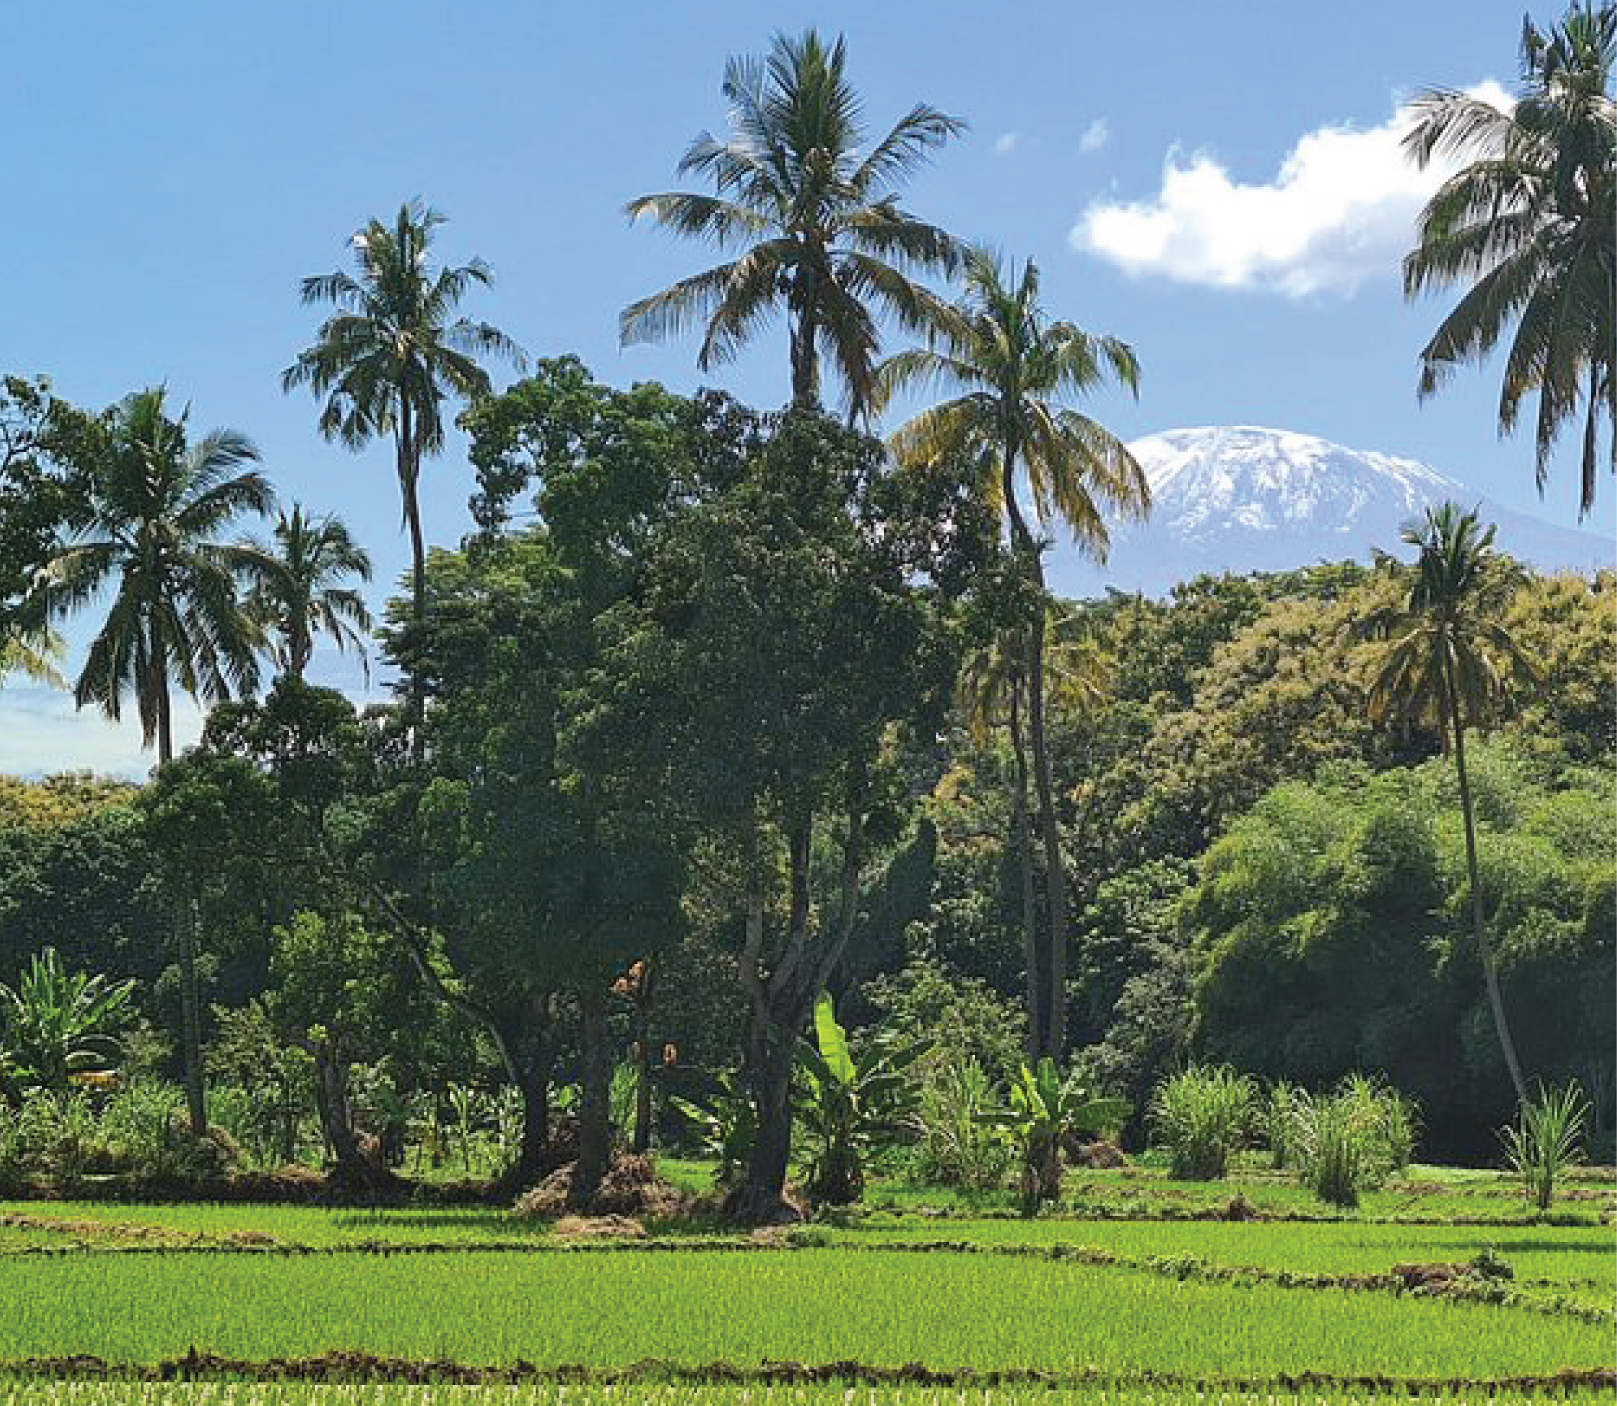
(813, 1305)
(301, 1225)
(112, 1394)
(1335, 1247)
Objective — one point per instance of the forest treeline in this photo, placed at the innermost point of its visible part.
(709, 689)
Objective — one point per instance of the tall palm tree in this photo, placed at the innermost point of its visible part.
(1450, 662)
(394, 352)
(305, 599)
(1529, 227)
(1010, 368)
(992, 693)
(150, 528)
(810, 210)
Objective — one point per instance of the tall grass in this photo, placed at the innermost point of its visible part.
(1203, 1116)
(1350, 1141)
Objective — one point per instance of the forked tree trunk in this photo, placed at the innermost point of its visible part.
(1490, 973)
(354, 1172)
(781, 1003)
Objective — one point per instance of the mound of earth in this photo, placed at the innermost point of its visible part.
(631, 1188)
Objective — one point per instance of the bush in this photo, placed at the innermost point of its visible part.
(1280, 1119)
(1546, 1141)
(1203, 1116)
(958, 1147)
(1339, 1151)
(1352, 1140)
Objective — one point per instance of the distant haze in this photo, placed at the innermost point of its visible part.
(1241, 498)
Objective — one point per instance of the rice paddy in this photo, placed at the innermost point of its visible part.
(466, 1305)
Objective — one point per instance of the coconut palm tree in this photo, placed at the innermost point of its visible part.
(394, 352)
(809, 208)
(1450, 662)
(1529, 228)
(992, 693)
(306, 600)
(1010, 368)
(150, 529)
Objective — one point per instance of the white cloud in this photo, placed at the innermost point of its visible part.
(1005, 144)
(45, 734)
(1095, 136)
(1340, 210)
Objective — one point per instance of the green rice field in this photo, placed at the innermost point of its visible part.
(944, 1304)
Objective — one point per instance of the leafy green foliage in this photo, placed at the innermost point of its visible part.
(1546, 1141)
(1041, 1112)
(1204, 1116)
(850, 1109)
(56, 1025)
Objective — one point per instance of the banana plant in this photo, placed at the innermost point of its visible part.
(1043, 1111)
(849, 1111)
(57, 1024)
(727, 1124)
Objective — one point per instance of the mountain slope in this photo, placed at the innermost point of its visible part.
(1241, 498)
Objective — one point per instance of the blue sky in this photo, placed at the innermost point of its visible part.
(1216, 183)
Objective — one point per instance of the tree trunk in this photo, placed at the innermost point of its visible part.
(191, 1016)
(533, 1083)
(1490, 973)
(1054, 1035)
(409, 470)
(595, 1103)
(643, 1059)
(1034, 986)
(761, 1197)
(165, 719)
(355, 1171)
(805, 357)
(780, 1008)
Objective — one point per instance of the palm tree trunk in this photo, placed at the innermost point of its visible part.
(165, 719)
(805, 358)
(1484, 951)
(1024, 861)
(409, 468)
(196, 1102)
(1054, 1035)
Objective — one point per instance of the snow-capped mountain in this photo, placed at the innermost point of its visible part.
(1240, 498)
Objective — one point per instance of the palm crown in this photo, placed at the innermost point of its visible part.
(306, 599)
(811, 213)
(1011, 367)
(1531, 224)
(1450, 660)
(395, 350)
(150, 525)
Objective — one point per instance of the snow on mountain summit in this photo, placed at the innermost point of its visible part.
(1244, 498)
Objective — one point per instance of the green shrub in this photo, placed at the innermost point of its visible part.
(1043, 1110)
(1203, 1116)
(850, 1108)
(958, 1146)
(1546, 1141)
(1350, 1141)
(1280, 1123)
(1339, 1148)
